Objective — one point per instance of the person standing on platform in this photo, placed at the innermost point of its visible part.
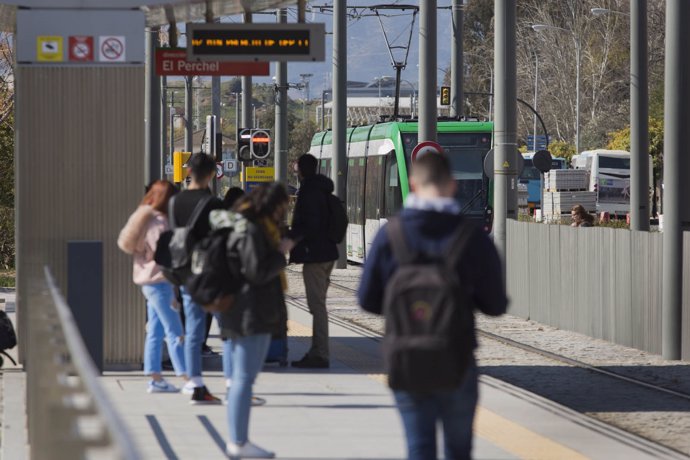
(315, 250)
(259, 308)
(430, 236)
(139, 238)
(202, 169)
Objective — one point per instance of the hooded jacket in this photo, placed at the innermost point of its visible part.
(310, 222)
(139, 238)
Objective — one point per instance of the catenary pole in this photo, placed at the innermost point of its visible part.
(281, 126)
(676, 167)
(639, 124)
(165, 115)
(188, 132)
(505, 145)
(427, 71)
(456, 64)
(340, 109)
(247, 121)
(152, 107)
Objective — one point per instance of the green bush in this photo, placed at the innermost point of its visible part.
(6, 238)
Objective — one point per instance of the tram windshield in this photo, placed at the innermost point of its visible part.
(466, 152)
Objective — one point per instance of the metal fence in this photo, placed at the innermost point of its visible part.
(69, 415)
(602, 282)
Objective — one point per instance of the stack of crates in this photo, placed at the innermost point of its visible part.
(564, 188)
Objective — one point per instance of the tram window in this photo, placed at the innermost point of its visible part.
(323, 166)
(393, 194)
(374, 178)
(355, 190)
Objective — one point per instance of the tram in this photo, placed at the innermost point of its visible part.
(378, 159)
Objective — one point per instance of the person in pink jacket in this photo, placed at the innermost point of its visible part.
(139, 238)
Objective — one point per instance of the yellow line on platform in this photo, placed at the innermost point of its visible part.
(499, 431)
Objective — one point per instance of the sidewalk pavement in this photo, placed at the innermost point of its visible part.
(345, 412)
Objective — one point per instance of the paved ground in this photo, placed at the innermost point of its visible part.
(347, 412)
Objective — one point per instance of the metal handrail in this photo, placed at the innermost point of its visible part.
(70, 415)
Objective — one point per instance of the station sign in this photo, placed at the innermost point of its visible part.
(253, 177)
(256, 42)
(173, 62)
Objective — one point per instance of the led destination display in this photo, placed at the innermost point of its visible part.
(256, 42)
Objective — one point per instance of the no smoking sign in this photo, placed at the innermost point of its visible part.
(111, 48)
(81, 48)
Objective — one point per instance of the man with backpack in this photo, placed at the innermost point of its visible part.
(426, 272)
(315, 248)
(195, 203)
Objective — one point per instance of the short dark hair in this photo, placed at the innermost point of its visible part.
(231, 196)
(307, 164)
(201, 165)
(432, 169)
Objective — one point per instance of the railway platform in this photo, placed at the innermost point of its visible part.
(347, 412)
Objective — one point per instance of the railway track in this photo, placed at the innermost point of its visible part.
(534, 350)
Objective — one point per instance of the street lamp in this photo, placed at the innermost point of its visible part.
(576, 40)
(602, 11)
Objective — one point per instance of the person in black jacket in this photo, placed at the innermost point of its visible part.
(316, 251)
(259, 309)
(429, 221)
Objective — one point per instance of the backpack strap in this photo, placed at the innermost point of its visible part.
(401, 251)
(171, 213)
(198, 210)
(458, 243)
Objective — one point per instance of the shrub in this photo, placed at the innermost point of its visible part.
(6, 238)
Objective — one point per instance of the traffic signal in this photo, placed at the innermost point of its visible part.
(244, 137)
(260, 143)
(445, 95)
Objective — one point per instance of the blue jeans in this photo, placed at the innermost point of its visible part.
(455, 409)
(163, 322)
(246, 356)
(195, 328)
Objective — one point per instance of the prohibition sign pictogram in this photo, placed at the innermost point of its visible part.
(112, 49)
(81, 48)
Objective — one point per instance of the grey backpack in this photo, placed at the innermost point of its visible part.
(429, 315)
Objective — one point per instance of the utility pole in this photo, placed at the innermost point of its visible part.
(639, 124)
(456, 65)
(165, 115)
(339, 165)
(152, 107)
(676, 166)
(281, 128)
(505, 137)
(189, 132)
(305, 81)
(247, 121)
(427, 71)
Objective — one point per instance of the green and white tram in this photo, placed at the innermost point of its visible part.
(378, 162)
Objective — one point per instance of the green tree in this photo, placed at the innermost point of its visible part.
(299, 140)
(562, 149)
(620, 140)
(7, 163)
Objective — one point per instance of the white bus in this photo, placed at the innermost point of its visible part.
(609, 176)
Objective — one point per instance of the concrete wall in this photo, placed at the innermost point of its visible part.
(80, 173)
(602, 282)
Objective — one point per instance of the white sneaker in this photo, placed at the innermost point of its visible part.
(161, 386)
(247, 450)
(188, 389)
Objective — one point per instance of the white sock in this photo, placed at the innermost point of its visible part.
(194, 382)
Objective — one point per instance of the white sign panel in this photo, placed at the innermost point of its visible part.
(112, 48)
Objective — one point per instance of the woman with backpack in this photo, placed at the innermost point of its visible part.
(139, 238)
(259, 308)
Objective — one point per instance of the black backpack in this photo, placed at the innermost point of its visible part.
(429, 316)
(8, 339)
(337, 219)
(215, 271)
(174, 247)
